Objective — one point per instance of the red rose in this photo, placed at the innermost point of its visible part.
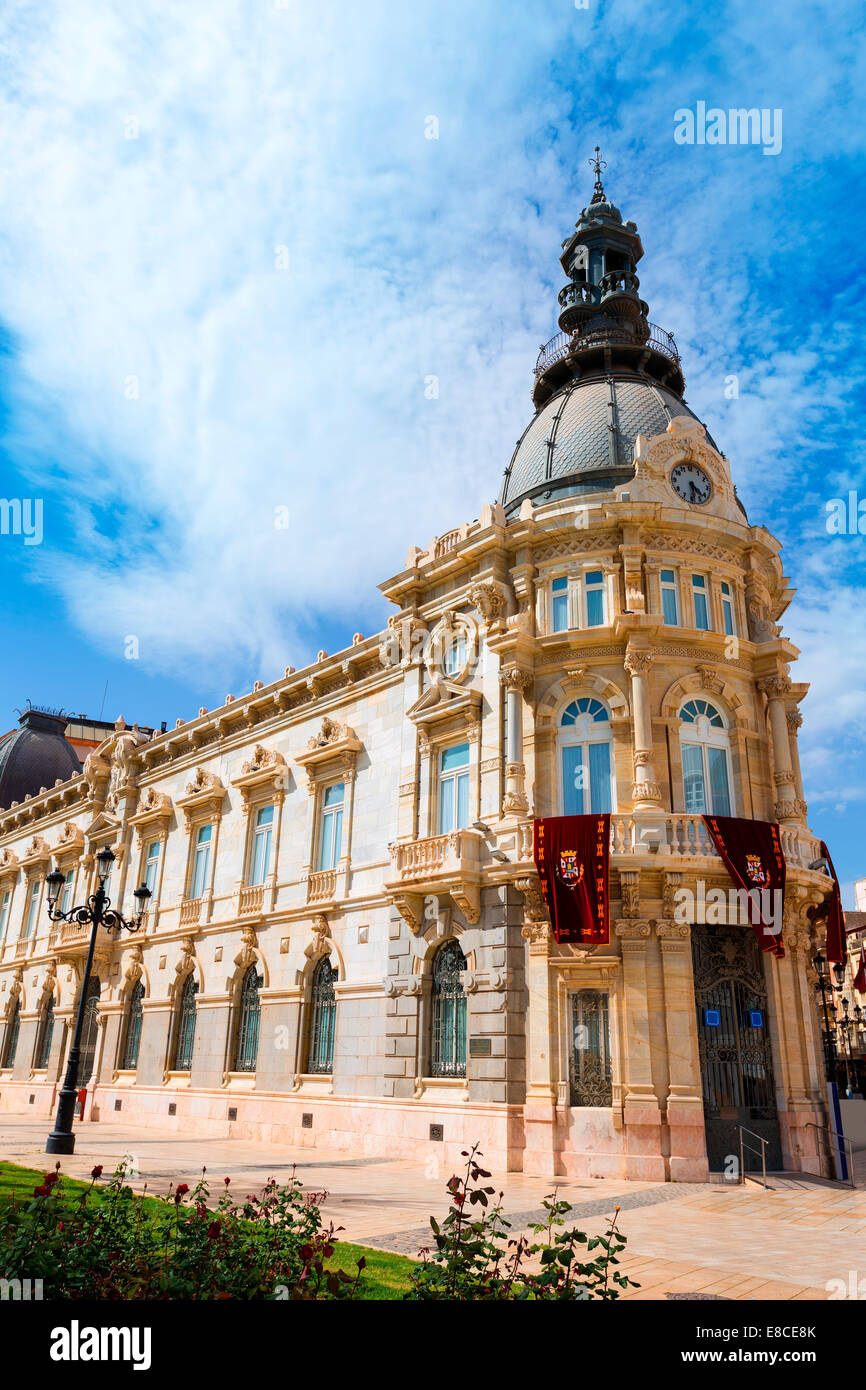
(97, 1171)
(181, 1190)
(41, 1191)
(213, 1230)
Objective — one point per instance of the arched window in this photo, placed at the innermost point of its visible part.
(10, 1042)
(247, 1043)
(184, 1041)
(45, 1035)
(706, 760)
(586, 758)
(449, 1012)
(323, 1019)
(134, 1013)
(89, 1031)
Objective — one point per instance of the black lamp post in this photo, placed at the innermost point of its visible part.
(827, 1010)
(846, 1025)
(99, 913)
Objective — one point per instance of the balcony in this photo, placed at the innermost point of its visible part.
(439, 864)
(251, 899)
(190, 911)
(602, 332)
(322, 886)
(682, 837)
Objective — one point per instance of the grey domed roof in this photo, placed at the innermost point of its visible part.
(582, 440)
(35, 755)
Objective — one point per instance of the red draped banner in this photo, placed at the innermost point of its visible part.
(751, 851)
(571, 855)
(835, 916)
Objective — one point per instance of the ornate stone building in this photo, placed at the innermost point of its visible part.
(346, 944)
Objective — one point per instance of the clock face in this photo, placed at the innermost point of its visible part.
(691, 483)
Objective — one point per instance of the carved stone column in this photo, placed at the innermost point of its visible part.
(685, 1104)
(641, 1112)
(794, 720)
(540, 1154)
(516, 682)
(646, 794)
(787, 809)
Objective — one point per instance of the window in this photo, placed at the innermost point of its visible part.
(10, 1041)
(449, 1012)
(134, 1015)
(585, 758)
(247, 1044)
(45, 1035)
(185, 1030)
(201, 860)
(151, 865)
(454, 655)
(66, 890)
(699, 595)
(262, 834)
(454, 788)
(590, 1057)
(5, 901)
(323, 1018)
(670, 598)
(32, 907)
(593, 582)
(559, 604)
(706, 759)
(728, 609)
(331, 833)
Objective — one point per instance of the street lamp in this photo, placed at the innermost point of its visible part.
(846, 1025)
(827, 1010)
(99, 913)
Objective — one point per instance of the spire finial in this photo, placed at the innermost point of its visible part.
(598, 194)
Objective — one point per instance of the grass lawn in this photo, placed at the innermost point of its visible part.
(386, 1275)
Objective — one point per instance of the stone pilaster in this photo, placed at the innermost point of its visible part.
(685, 1105)
(516, 681)
(641, 1112)
(788, 809)
(540, 1155)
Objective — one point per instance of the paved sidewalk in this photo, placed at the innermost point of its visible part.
(683, 1239)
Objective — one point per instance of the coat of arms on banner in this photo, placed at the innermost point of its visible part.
(570, 870)
(756, 871)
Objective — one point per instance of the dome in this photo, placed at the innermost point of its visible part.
(35, 755)
(583, 438)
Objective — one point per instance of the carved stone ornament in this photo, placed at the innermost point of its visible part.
(638, 661)
(632, 931)
(774, 687)
(36, 850)
(70, 837)
(248, 954)
(321, 942)
(134, 967)
(14, 991)
(8, 860)
(263, 760)
(629, 886)
(514, 677)
(335, 747)
(49, 980)
(490, 599)
(186, 959)
(152, 801)
(202, 781)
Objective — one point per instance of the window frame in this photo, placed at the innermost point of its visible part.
(729, 612)
(135, 997)
(182, 1032)
(321, 1019)
(716, 738)
(192, 874)
(330, 814)
(6, 895)
(448, 1015)
(453, 778)
(32, 905)
(702, 590)
(568, 737)
(672, 587)
(259, 834)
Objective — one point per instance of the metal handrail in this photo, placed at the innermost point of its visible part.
(849, 1143)
(763, 1143)
(601, 333)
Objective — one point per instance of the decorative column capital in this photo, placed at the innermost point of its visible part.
(629, 887)
(632, 932)
(536, 927)
(672, 934)
(795, 720)
(515, 678)
(774, 687)
(638, 660)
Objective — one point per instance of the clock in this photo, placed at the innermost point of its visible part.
(691, 483)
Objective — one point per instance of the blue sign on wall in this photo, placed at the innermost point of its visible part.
(712, 1018)
(754, 1018)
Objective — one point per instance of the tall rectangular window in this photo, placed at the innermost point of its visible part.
(586, 785)
(66, 891)
(151, 865)
(262, 833)
(201, 860)
(454, 788)
(559, 604)
(4, 913)
(591, 1082)
(593, 583)
(728, 609)
(331, 832)
(670, 605)
(32, 907)
(699, 594)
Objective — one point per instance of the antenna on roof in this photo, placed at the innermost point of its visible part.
(104, 695)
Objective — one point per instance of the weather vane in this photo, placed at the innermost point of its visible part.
(598, 164)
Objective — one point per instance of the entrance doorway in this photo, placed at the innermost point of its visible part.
(734, 1043)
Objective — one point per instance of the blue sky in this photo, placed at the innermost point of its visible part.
(229, 258)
